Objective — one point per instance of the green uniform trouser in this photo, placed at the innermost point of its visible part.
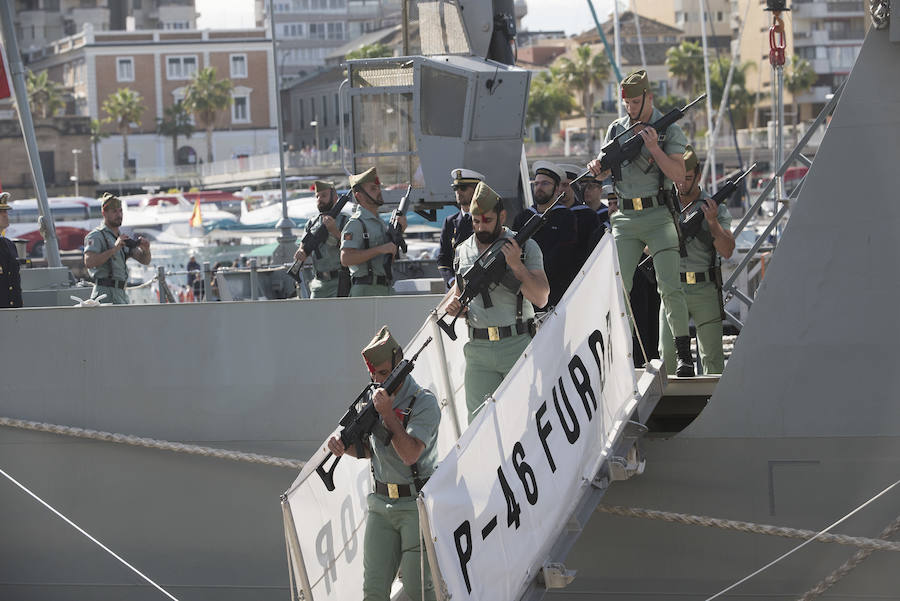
(116, 296)
(703, 307)
(393, 540)
(323, 288)
(487, 363)
(653, 228)
(370, 290)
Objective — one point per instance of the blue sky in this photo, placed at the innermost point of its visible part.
(573, 16)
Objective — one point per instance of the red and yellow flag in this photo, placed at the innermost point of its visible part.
(196, 217)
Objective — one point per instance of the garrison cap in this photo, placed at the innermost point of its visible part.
(635, 84)
(465, 176)
(691, 161)
(4, 201)
(551, 170)
(369, 175)
(572, 171)
(484, 199)
(321, 185)
(382, 348)
(110, 200)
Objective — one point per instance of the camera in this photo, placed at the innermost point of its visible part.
(132, 243)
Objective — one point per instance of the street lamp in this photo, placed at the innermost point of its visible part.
(74, 178)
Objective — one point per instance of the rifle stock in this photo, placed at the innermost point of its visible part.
(694, 220)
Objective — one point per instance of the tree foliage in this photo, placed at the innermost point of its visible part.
(97, 135)
(740, 101)
(376, 50)
(176, 122)
(548, 99)
(585, 73)
(124, 107)
(685, 64)
(45, 96)
(799, 77)
(205, 98)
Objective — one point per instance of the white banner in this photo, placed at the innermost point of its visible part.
(503, 495)
(330, 525)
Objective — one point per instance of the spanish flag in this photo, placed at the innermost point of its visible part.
(196, 217)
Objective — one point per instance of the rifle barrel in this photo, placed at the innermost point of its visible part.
(692, 103)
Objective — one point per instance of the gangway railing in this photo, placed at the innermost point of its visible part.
(729, 287)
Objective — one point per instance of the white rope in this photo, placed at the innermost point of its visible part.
(151, 443)
(868, 544)
(637, 332)
(85, 533)
(803, 544)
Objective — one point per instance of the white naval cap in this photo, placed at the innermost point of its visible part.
(572, 171)
(551, 170)
(465, 176)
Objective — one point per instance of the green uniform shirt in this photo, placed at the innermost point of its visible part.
(640, 177)
(503, 313)
(330, 251)
(700, 254)
(423, 424)
(99, 240)
(352, 237)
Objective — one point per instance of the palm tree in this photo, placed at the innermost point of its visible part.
(204, 98)
(96, 136)
(585, 73)
(685, 63)
(176, 122)
(124, 107)
(799, 78)
(740, 101)
(548, 98)
(45, 96)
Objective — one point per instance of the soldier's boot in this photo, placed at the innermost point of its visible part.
(685, 368)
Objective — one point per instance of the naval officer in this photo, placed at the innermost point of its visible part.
(403, 450)
(701, 276)
(332, 279)
(10, 280)
(586, 219)
(106, 251)
(642, 215)
(364, 245)
(458, 227)
(501, 328)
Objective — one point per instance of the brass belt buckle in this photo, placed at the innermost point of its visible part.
(638, 204)
(393, 492)
(493, 333)
(691, 277)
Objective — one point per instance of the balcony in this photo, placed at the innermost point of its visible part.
(820, 10)
(816, 94)
(810, 38)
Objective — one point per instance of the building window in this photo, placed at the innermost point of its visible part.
(335, 31)
(238, 65)
(240, 110)
(125, 69)
(317, 31)
(324, 112)
(302, 119)
(181, 67)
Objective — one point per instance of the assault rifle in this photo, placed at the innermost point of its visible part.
(490, 266)
(318, 234)
(395, 234)
(615, 152)
(692, 223)
(362, 416)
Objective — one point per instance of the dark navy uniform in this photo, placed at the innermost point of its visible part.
(558, 240)
(10, 281)
(456, 229)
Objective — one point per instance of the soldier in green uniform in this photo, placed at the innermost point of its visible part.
(10, 280)
(641, 216)
(364, 244)
(403, 449)
(331, 276)
(501, 323)
(106, 250)
(700, 273)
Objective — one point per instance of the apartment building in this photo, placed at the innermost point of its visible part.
(685, 15)
(159, 65)
(40, 22)
(309, 30)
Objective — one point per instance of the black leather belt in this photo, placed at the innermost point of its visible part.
(698, 277)
(500, 332)
(110, 283)
(328, 275)
(396, 491)
(639, 204)
(365, 280)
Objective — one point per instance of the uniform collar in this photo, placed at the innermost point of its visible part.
(654, 115)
